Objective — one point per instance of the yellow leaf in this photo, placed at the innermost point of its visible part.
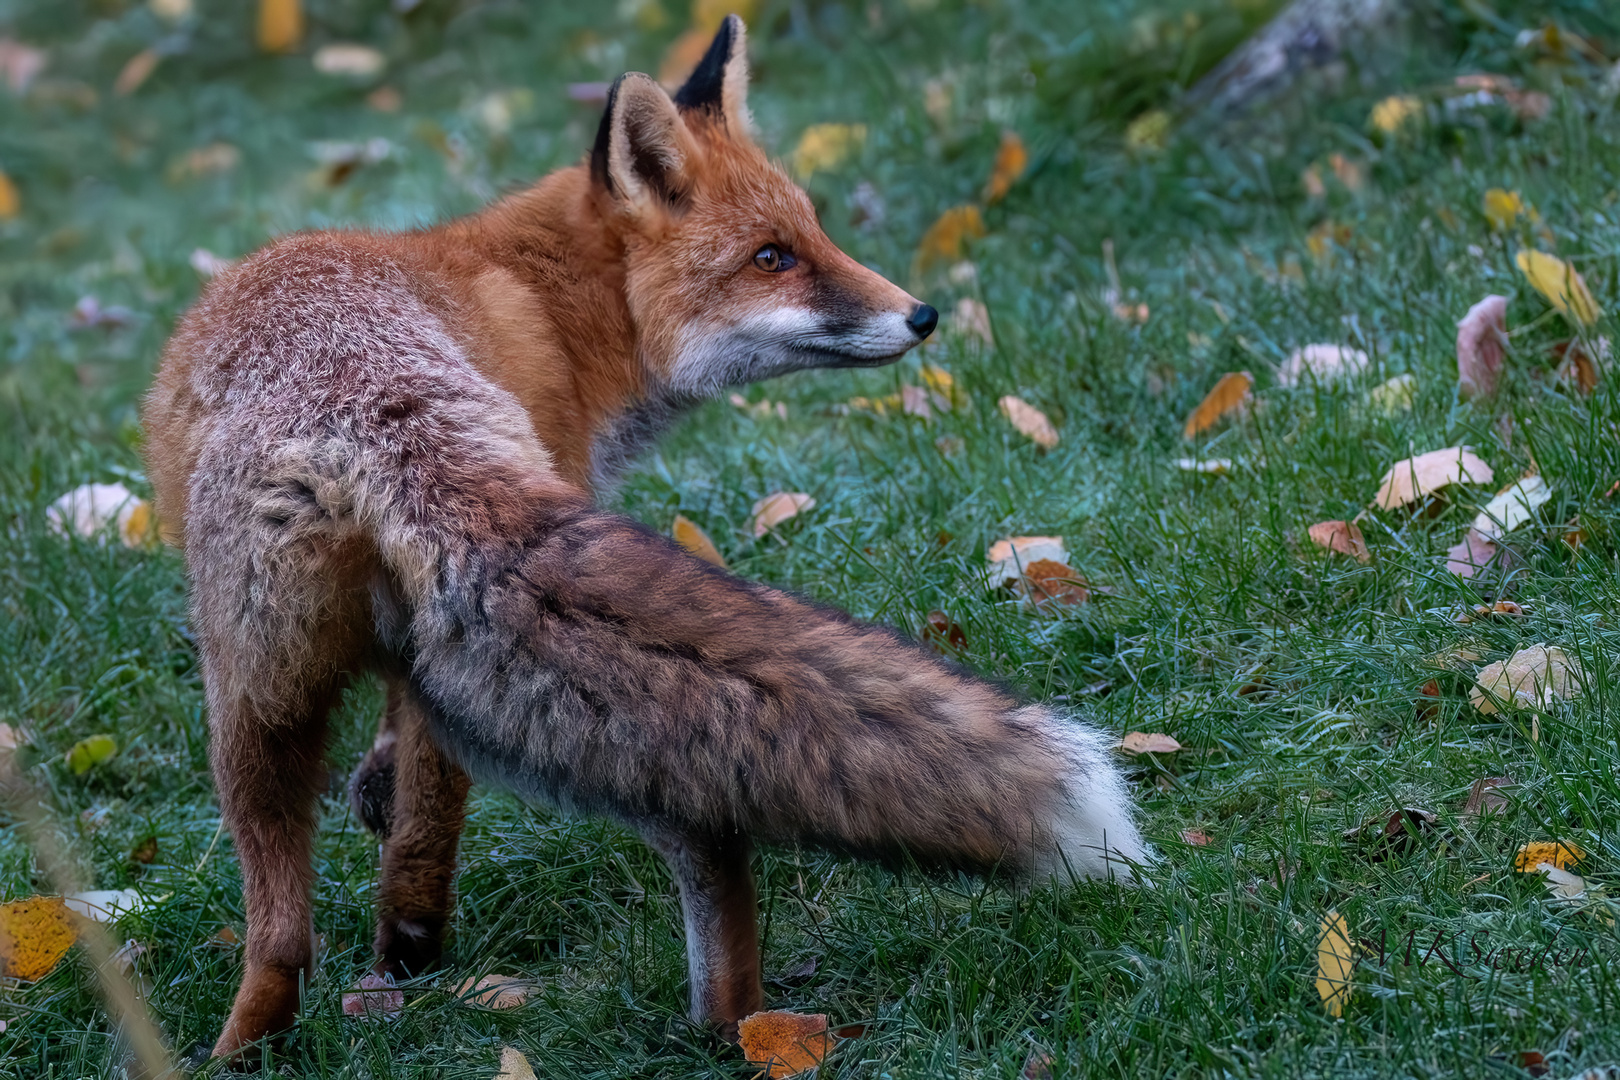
(1145, 742)
(495, 991)
(10, 200)
(87, 753)
(825, 146)
(1030, 421)
(34, 936)
(696, 541)
(136, 71)
(1229, 395)
(281, 25)
(1531, 678)
(708, 14)
(1413, 478)
(942, 384)
(1393, 395)
(1150, 131)
(786, 1043)
(1343, 537)
(1502, 208)
(1011, 161)
(945, 237)
(1394, 113)
(1334, 963)
(1531, 855)
(514, 1066)
(1560, 284)
(778, 507)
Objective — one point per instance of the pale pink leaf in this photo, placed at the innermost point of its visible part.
(1481, 335)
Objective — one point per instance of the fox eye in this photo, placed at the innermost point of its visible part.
(773, 260)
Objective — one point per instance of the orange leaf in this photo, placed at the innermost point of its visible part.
(1230, 394)
(944, 239)
(1030, 421)
(1143, 742)
(1011, 161)
(786, 1043)
(10, 201)
(137, 70)
(778, 507)
(281, 25)
(942, 635)
(34, 936)
(1343, 537)
(696, 541)
(1046, 580)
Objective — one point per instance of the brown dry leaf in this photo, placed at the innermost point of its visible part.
(514, 1066)
(1230, 395)
(1037, 1066)
(971, 319)
(19, 64)
(1483, 797)
(945, 238)
(281, 25)
(1531, 678)
(1342, 537)
(10, 200)
(1582, 366)
(1428, 705)
(696, 541)
(145, 851)
(1335, 963)
(373, 995)
(1413, 478)
(136, 71)
(778, 507)
(1145, 742)
(786, 1043)
(1481, 337)
(1471, 554)
(941, 634)
(496, 991)
(1196, 837)
(1030, 421)
(1049, 582)
(1531, 855)
(1009, 558)
(1011, 161)
(34, 936)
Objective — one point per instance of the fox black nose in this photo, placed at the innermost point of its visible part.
(923, 321)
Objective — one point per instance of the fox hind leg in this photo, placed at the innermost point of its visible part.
(716, 885)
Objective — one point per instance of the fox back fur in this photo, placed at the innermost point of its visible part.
(378, 453)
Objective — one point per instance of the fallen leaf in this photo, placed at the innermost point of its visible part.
(281, 25)
(1009, 558)
(1536, 852)
(696, 541)
(1428, 704)
(374, 995)
(1342, 537)
(349, 59)
(1311, 181)
(208, 264)
(786, 1043)
(1484, 797)
(824, 147)
(1412, 479)
(1196, 837)
(1512, 507)
(10, 740)
(127, 956)
(1503, 208)
(778, 507)
(1470, 555)
(89, 752)
(103, 905)
(1229, 396)
(1144, 742)
(941, 634)
(1391, 115)
(849, 1031)
(136, 70)
(1334, 963)
(1149, 131)
(207, 160)
(1561, 284)
(1533, 1062)
(942, 384)
(1531, 678)
(1563, 884)
(20, 63)
(145, 851)
(797, 975)
(1030, 421)
(1481, 337)
(1011, 161)
(707, 15)
(34, 936)
(226, 938)
(10, 200)
(1213, 466)
(388, 99)
(1325, 237)
(1048, 581)
(1348, 172)
(1399, 833)
(945, 238)
(496, 991)
(1490, 611)
(171, 10)
(1581, 365)
(1037, 1066)
(971, 319)
(514, 1066)
(1325, 363)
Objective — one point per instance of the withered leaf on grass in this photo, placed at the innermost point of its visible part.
(349, 59)
(1030, 421)
(945, 238)
(780, 506)
(1049, 583)
(1471, 554)
(1481, 338)
(1484, 796)
(823, 147)
(1342, 537)
(34, 936)
(1580, 365)
(1413, 478)
(971, 319)
(1010, 558)
(374, 995)
(1148, 742)
(136, 70)
(696, 541)
(1196, 837)
(10, 200)
(1324, 363)
(89, 752)
(1396, 834)
(1512, 507)
(1561, 284)
(942, 634)
(1531, 678)
(281, 25)
(1531, 855)
(1011, 161)
(495, 991)
(786, 1043)
(514, 1066)
(20, 63)
(1335, 963)
(1562, 883)
(1229, 395)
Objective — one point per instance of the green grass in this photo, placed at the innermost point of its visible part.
(1292, 677)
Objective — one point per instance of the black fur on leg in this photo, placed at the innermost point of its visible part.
(371, 789)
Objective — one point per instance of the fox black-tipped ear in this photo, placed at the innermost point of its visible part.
(640, 153)
(720, 83)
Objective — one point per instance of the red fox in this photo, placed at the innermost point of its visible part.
(377, 453)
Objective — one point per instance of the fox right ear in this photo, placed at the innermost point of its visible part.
(719, 84)
(641, 147)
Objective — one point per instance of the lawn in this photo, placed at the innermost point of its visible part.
(1311, 692)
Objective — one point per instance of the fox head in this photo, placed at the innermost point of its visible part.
(729, 275)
